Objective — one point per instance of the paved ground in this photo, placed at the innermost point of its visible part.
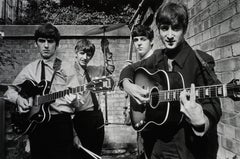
(119, 154)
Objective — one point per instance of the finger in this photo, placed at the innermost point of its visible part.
(138, 101)
(193, 93)
(183, 97)
(22, 110)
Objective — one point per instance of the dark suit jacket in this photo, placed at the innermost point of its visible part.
(189, 146)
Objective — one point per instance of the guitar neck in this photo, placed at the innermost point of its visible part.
(53, 96)
(213, 91)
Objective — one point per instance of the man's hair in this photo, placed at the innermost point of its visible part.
(85, 45)
(47, 31)
(143, 30)
(173, 14)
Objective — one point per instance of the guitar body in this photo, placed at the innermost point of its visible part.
(156, 113)
(25, 123)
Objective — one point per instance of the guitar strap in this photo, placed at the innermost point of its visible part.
(56, 67)
(206, 66)
(93, 95)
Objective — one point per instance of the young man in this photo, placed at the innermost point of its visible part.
(193, 136)
(88, 120)
(52, 139)
(143, 41)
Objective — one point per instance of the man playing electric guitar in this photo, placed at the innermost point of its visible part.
(194, 134)
(52, 139)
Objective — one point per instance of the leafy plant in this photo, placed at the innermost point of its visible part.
(88, 13)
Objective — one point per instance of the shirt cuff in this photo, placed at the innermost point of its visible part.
(121, 82)
(201, 129)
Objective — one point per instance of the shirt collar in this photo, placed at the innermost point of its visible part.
(49, 62)
(79, 68)
(183, 54)
(150, 52)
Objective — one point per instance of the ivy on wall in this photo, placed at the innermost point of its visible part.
(38, 12)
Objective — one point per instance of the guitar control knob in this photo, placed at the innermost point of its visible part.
(137, 125)
(141, 122)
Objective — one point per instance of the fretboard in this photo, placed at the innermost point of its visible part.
(53, 96)
(202, 92)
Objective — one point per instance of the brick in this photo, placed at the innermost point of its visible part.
(215, 31)
(224, 14)
(229, 131)
(204, 4)
(236, 49)
(198, 8)
(192, 12)
(190, 3)
(206, 35)
(235, 21)
(220, 128)
(213, 8)
(223, 4)
(216, 54)
(228, 105)
(205, 14)
(206, 24)
(237, 132)
(198, 38)
(208, 45)
(229, 38)
(226, 51)
(227, 143)
(228, 65)
(238, 6)
(225, 27)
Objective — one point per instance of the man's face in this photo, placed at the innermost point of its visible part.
(142, 44)
(171, 36)
(83, 57)
(47, 47)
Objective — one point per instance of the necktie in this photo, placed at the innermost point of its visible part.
(93, 95)
(43, 71)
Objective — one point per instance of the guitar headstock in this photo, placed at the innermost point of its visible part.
(101, 84)
(233, 89)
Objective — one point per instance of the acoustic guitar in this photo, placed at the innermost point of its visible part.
(164, 107)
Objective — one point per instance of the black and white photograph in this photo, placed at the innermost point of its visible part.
(119, 79)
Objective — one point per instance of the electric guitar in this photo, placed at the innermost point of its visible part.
(163, 107)
(24, 123)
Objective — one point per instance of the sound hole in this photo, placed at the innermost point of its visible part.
(154, 97)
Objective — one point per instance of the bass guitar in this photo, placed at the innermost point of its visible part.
(163, 107)
(24, 123)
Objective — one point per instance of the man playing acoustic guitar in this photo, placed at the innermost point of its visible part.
(53, 137)
(185, 126)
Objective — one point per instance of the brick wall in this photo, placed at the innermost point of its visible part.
(18, 45)
(214, 27)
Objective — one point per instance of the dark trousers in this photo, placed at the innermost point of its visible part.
(149, 139)
(52, 140)
(89, 126)
(164, 150)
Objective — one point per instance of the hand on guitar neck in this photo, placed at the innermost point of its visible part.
(192, 110)
(141, 95)
(74, 99)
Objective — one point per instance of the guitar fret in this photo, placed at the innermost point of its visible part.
(219, 91)
(200, 92)
(207, 92)
(103, 84)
